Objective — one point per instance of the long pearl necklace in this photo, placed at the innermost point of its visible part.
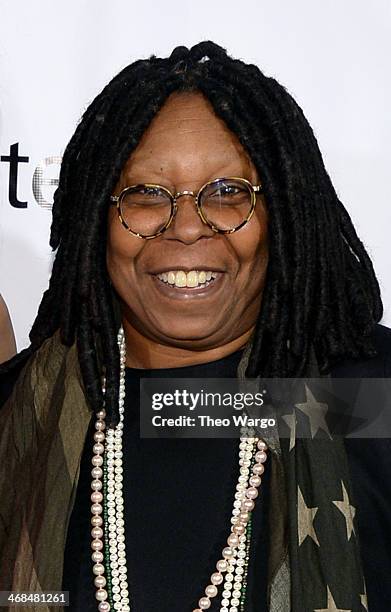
(108, 529)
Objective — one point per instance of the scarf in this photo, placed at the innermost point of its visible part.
(314, 560)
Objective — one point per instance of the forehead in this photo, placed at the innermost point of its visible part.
(186, 130)
(186, 110)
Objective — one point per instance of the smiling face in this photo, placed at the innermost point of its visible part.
(185, 146)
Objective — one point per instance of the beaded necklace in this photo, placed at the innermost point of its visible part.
(108, 527)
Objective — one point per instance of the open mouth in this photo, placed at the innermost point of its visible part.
(194, 279)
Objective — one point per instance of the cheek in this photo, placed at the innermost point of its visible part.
(121, 251)
(251, 246)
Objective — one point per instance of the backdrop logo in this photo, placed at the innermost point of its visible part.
(42, 182)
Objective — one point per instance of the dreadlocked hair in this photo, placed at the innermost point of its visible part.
(320, 288)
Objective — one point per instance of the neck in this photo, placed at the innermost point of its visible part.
(146, 353)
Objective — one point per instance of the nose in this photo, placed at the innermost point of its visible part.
(187, 224)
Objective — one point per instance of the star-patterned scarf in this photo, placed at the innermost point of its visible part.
(314, 561)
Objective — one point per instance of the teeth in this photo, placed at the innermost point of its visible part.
(179, 278)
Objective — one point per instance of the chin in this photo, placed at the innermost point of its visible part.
(187, 333)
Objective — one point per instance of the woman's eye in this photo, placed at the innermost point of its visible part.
(221, 191)
(150, 191)
(227, 190)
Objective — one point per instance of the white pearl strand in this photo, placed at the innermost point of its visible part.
(233, 555)
(242, 506)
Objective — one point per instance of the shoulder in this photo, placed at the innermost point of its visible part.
(370, 458)
(41, 367)
(378, 366)
(382, 336)
(7, 338)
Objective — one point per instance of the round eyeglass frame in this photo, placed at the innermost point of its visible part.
(253, 189)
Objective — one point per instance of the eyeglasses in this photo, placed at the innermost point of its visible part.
(225, 204)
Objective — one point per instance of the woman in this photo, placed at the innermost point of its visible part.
(7, 338)
(265, 276)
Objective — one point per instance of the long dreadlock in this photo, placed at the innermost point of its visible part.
(320, 287)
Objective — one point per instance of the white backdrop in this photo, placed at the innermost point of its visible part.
(56, 56)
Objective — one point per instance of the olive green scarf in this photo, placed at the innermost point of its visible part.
(314, 560)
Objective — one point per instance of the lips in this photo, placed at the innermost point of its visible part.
(186, 268)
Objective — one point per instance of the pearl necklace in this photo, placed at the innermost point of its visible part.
(108, 532)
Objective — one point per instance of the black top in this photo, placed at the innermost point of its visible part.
(178, 501)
